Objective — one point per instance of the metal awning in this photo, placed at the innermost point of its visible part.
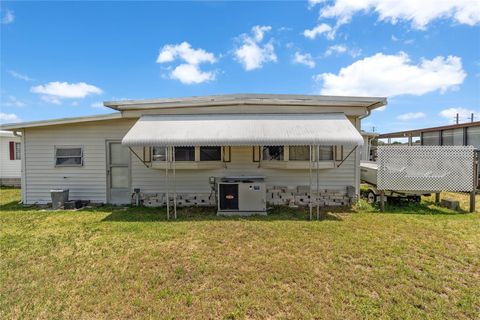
(243, 130)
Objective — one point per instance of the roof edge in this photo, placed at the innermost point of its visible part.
(42, 123)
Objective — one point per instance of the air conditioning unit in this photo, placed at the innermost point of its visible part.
(242, 195)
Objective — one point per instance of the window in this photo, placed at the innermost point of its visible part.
(68, 156)
(325, 153)
(473, 136)
(272, 153)
(184, 153)
(18, 151)
(299, 153)
(159, 154)
(210, 153)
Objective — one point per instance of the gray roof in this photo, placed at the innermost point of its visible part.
(253, 99)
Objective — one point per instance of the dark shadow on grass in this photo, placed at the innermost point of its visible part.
(209, 214)
(425, 208)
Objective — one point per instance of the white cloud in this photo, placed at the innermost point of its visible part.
(393, 75)
(411, 116)
(418, 13)
(20, 76)
(13, 102)
(8, 17)
(8, 118)
(313, 3)
(184, 51)
(98, 104)
(252, 54)
(189, 72)
(322, 28)
(305, 59)
(259, 32)
(51, 99)
(338, 48)
(464, 114)
(54, 91)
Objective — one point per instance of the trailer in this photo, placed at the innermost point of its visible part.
(368, 176)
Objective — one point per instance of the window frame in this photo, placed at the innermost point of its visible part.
(200, 154)
(152, 159)
(55, 157)
(17, 151)
(299, 160)
(273, 160)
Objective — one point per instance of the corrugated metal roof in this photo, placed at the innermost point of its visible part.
(243, 130)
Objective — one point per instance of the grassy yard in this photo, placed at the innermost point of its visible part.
(418, 261)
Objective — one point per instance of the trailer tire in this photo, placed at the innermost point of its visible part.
(371, 197)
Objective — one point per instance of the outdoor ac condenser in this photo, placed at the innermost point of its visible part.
(241, 196)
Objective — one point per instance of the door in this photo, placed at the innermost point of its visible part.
(228, 196)
(118, 173)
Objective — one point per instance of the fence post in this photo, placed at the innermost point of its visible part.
(382, 200)
(437, 197)
(475, 181)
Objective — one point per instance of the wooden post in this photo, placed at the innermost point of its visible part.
(472, 201)
(382, 200)
(437, 197)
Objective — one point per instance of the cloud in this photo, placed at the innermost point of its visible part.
(313, 3)
(322, 28)
(252, 54)
(8, 17)
(411, 116)
(66, 90)
(51, 99)
(338, 48)
(393, 75)
(464, 114)
(8, 118)
(20, 76)
(418, 13)
(13, 102)
(189, 72)
(305, 59)
(98, 104)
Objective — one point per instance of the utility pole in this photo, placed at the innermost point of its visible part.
(456, 121)
(471, 117)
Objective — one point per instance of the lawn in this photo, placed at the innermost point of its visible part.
(417, 261)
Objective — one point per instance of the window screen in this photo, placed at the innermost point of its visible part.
(325, 153)
(68, 156)
(18, 152)
(184, 153)
(473, 136)
(159, 154)
(458, 137)
(272, 153)
(210, 153)
(299, 153)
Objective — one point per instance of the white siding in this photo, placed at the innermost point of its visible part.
(90, 181)
(153, 180)
(8, 168)
(87, 182)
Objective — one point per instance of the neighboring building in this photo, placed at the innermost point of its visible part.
(185, 146)
(10, 155)
(367, 151)
(455, 134)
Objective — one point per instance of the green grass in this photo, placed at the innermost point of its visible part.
(412, 262)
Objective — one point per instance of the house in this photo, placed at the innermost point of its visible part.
(159, 151)
(10, 155)
(460, 134)
(366, 153)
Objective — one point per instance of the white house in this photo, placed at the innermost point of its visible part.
(178, 151)
(10, 155)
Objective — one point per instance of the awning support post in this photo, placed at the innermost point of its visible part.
(318, 182)
(310, 183)
(174, 184)
(166, 182)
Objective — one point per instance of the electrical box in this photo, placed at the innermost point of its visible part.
(244, 195)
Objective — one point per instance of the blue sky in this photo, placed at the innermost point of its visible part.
(62, 59)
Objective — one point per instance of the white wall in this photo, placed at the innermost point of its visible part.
(8, 168)
(89, 182)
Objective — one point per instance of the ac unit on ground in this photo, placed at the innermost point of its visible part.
(242, 195)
